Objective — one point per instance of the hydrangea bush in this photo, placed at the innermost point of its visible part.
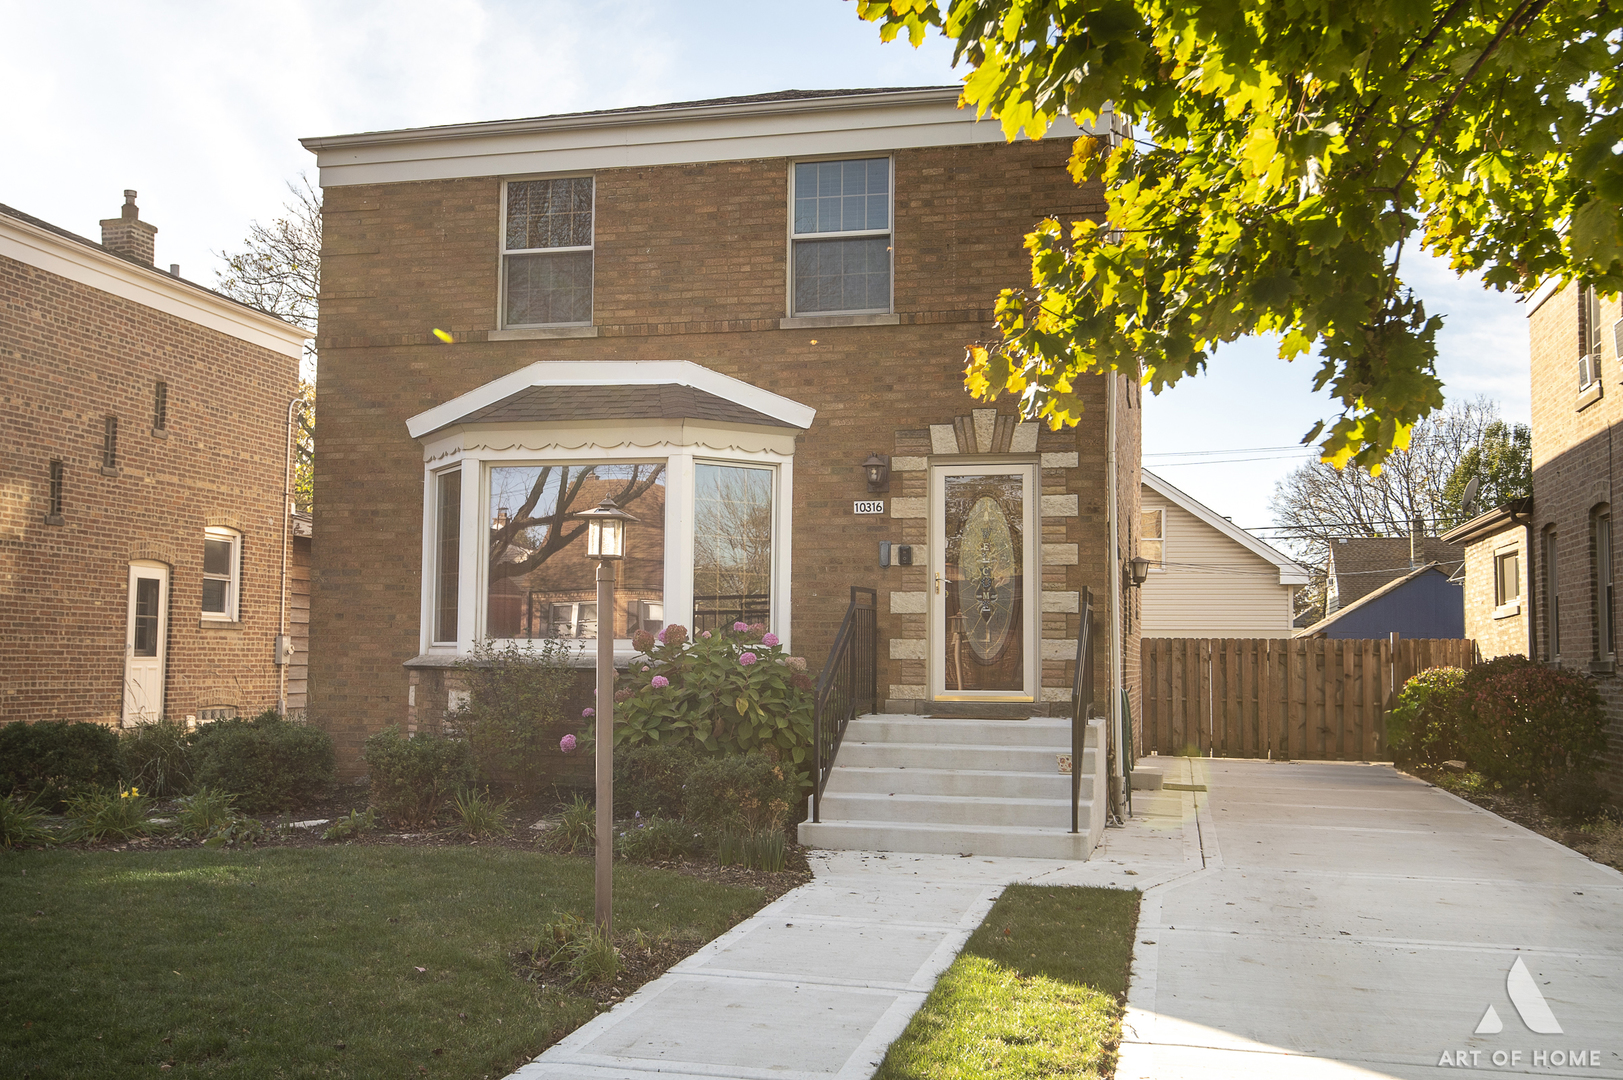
(726, 691)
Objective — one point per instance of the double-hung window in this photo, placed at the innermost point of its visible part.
(1589, 336)
(1507, 578)
(841, 237)
(1152, 538)
(547, 252)
(222, 574)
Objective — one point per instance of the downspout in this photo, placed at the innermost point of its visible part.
(287, 524)
(1532, 611)
(1113, 568)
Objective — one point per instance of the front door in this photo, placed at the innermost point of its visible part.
(984, 581)
(146, 635)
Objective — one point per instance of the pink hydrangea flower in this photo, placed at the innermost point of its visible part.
(588, 712)
(567, 744)
(645, 667)
(748, 658)
(741, 626)
(707, 633)
(659, 682)
(660, 637)
(770, 640)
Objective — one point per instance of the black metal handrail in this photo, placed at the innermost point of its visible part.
(848, 686)
(1081, 704)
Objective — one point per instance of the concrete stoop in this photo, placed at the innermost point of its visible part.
(958, 787)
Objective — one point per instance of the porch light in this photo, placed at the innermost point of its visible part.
(1140, 569)
(605, 530)
(878, 469)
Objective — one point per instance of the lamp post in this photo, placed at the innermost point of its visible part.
(605, 542)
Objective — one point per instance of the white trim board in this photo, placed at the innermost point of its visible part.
(613, 373)
(147, 286)
(1290, 571)
(634, 138)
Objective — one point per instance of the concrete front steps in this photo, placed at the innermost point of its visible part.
(959, 787)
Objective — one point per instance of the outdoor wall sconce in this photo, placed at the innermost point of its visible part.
(1139, 570)
(878, 469)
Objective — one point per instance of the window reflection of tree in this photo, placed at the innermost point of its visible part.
(732, 545)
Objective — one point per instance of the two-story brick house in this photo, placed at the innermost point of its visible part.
(720, 311)
(144, 422)
(1572, 573)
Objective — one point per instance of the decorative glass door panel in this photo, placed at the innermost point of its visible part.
(146, 632)
(984, 575)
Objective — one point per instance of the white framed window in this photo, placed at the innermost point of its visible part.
(1507, 577)
(1152, 537)
(222, 574)
(576, 620)
(840, 236)
(547, 230)
(1590, 339)
(447, 518)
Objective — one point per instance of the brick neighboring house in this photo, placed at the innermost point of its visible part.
(1498, 601)
(1575, 337)
(144, 421)
(780, 286)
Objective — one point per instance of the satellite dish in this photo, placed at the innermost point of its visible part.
(1468, 500)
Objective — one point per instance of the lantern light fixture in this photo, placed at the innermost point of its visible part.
(605, 530)
(1140, 569)
(878, 469)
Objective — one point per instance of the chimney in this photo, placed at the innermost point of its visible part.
(1416, 530)
(127, 234)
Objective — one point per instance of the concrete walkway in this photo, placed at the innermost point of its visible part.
(1300, 920)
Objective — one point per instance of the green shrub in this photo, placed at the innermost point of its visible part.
(650, 778)
(205, 811)
(656, 839)
(156, 757)
(482, 815)
(577, 828)
(1525, 724)
(268, 762)
(355, 823)
(1421, 728)
(579, 945)
(22, 823)
(1577, 797)
(750, 793)
(56, 760)
(731, 692)
(515, 710)
(100, 814)
(413, 777)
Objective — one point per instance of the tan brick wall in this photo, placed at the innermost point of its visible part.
(1575, 470)
(71, 355)
(690, 264)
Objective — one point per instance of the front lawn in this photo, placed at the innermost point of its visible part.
(345, 961)
(1037, 991)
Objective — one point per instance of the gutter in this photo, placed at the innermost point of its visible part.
(1113, 571)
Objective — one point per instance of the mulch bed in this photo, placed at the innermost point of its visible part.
(1602, 842)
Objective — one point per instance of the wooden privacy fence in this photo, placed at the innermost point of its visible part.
(1280, 697)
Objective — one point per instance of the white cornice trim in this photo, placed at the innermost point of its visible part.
(613, 373)
(859, 123)
(1290, 571)
(150, 287)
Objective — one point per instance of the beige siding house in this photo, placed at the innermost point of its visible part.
(1207, 576)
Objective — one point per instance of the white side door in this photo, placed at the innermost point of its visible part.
(146, 637)
(984, 579)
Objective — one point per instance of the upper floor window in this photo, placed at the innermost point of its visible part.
(160, 407)
(547, 252)
(1151, 537)
(1589, 336)
(841, 236)
(222, 574)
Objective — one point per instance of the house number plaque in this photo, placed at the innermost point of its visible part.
(872, 506)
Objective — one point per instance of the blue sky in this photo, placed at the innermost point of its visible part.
(200, 108)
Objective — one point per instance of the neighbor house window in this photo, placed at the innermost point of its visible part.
(447, 552)
(222, 574)
(540, 584)
(1552, 603)
(1507, 584)
(841, 236)
(160, 407)
(53, 505)
(1152, 537)
(732, 546)
(1589, 336)
(109, 443)
(547, 252)
(1605, 636)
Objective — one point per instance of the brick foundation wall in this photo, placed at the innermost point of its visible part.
(691, 263)
(71, 355)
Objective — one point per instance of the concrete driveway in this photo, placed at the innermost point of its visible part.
(1350, 921)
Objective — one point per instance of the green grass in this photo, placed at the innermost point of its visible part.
(1037, 991)
(299, 962)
